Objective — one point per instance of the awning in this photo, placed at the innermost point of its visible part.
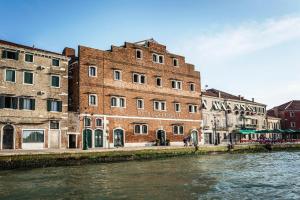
(245, 131)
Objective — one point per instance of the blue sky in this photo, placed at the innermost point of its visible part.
(247, 47)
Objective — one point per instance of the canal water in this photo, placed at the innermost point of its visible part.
(238, 176)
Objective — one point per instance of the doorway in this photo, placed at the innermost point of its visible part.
(72, 141)
(118, 138)
(98, 138)
(194, 137)
(161, 136)
(87, 138)
(54, 138)
(8, 137)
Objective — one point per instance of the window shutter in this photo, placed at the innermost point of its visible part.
(21, 106)
(17, 56)
(32, 102)
(14, 76)
(15, 102)
(4, 54)
(48, 105)
(59, 106)
(2, 101)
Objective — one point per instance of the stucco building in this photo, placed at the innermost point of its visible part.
(137, 94)
(33, 97)
(225, 114)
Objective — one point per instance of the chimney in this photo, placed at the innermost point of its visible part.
(252, 99)
(240, 97)
(69, 52)
(219, 94)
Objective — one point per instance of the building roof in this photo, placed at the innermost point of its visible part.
(27, 47)
(215, 93)
(291, 105)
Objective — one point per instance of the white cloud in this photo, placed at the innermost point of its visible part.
(235, 41)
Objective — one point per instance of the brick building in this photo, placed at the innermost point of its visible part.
(289, 113)
(137, 94)
(33, 97)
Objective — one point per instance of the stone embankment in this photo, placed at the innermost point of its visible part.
(53, 158)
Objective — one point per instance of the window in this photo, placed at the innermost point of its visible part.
(192, 87)
(178, 130)
(54, 124)
(54, 105)
(92, 71)
(10, 75)
(99, 122)
(55, 81)
(10, 55)
(141, 129)
(139, 78)
(8, 102)
(28, 57)
(158, 82)
(27, 104)
(93, 100)
(117, 75)
(177, 84)
(55, 62)
(140, 103)
(33, 136)
(292, 114)
(87, 122)
(293, 124)
(193, 108)
(117, 102)
(175, 62)
(177, 107)
(28, 78)
(160, 105)
(158, 58)
(138, 54)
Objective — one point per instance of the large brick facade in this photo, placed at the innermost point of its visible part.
(124, 119)
(26, 95)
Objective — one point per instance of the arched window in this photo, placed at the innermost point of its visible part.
(113, 101)
(87, 122)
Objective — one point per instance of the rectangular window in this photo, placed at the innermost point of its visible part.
(122, 102)
(175, 62)
(293, 124)
(158, 82)
(141, 129)
(54, 105)
(177, 107)
(27, 104)
(99, 122)
(28, 78)
(55, 81)
(192, 87)
(140, 103)
(87, 122)
(118, 102)
(155, 58)
(176, 84)
(178, 130)
(138, 54)
(28, 57)
(54, 124)
(161, 59)
(92, 71)
(193, 108)
(8, 102)
(292, 114)
(117, 75)
(55, 62)
(33, 136)
(6, 54)
(139, 78)
(160, 105)
(10, 75)
(93, 100)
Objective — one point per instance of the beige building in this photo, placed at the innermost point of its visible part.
(224, 115)
(33, 98)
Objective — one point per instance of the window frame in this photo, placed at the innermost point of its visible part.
(192, 87)
(141, 129)
(54, 121)
(177, 62)
(194, 108)
(158, 78)
(98, 118)
(120, 74)
(14, 51)
(58, 81)
(292, 114)
(32, 105)
(84, 122)
(178, 128)
(160, 105)
(118, 102)
(24, 78)
(141, 53)
(96, 100)
(15, 75)
(29, 54)
(139, 78)
(52, 62)
(293, 124)
(178, 107)
(90, 67)
(137, 104)
(177, 83)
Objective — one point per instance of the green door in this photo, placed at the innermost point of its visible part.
(194, 136)
(87, 138)
(98, 138)
(118, 138)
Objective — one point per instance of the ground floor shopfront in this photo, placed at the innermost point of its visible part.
(99, 131)
(48, 134)
(212, 137)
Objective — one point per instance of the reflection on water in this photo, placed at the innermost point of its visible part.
(245, 176)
